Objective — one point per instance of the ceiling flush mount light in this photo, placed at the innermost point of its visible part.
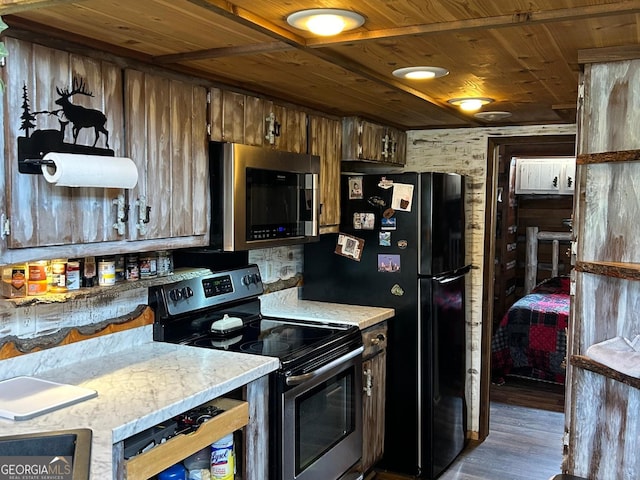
(420, 73)
(492, 116)
(470, 104)
(325, 21)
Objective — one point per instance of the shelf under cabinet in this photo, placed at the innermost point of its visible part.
(587, 363)
(176, 449)
(608, 157)
(627, 271)
(120, 287)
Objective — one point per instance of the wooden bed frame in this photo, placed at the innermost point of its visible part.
(531, 269)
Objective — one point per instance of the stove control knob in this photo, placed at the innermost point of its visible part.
(187, 292)
(251, 279)
(175, 295)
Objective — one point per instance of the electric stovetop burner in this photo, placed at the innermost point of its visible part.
(272, 337)
(222, 311)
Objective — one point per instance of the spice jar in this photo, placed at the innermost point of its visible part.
(148, 266)
(132, 271)
(14, 281)
(73, 274)
(106, 271)
(165, 262)
(58, 275)
(37, 282)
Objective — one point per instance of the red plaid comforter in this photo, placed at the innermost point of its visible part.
(531, 340)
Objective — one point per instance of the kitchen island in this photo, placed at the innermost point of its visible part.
(139, 383)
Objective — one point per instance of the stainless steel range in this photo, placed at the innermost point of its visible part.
(315, 396)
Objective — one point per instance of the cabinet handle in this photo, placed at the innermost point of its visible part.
(569, 181)
(143, 214)
(378, 339)
(555, 181)
(122, 214)
(368, 383)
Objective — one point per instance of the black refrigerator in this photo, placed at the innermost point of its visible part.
(401, 245)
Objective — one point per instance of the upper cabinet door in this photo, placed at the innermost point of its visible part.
(167, 138)
(371, 142)
(51, 97)
(325, 140)
(545, 176)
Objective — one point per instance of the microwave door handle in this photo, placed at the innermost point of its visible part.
(298, 379)
(315, 205)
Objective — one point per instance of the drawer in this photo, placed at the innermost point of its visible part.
(374, 339)
(176, 449)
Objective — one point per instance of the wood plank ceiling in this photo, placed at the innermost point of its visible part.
(522, 53)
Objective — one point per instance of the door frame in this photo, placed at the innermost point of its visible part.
(496, 146)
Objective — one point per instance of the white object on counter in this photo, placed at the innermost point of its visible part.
(22, 398)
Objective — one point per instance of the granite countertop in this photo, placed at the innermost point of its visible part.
(141, 383)
(286, 304)
(138, 387)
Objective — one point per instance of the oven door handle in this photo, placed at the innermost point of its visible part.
(298, 379)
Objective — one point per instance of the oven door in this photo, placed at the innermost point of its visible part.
(322, 421)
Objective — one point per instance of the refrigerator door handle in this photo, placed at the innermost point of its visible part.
(443, 280)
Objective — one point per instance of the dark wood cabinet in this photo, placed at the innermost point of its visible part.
(371, 142)
(374, 383)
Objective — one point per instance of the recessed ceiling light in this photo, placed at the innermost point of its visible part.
(492, 116)
(420, 73)
(325, 21)
(470, 104)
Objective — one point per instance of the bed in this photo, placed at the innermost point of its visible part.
(531, 339)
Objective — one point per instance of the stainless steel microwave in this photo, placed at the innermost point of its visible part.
(262, 198)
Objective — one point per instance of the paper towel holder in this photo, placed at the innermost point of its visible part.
(32, 166)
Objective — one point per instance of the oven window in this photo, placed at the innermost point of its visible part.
(325, 415)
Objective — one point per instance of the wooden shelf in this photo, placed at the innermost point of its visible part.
(176, 449)
(627, 271)
(608, 157)
(587, 363)
(179, 274)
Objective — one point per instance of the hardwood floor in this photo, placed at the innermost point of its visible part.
(525, 439)
(529, 393)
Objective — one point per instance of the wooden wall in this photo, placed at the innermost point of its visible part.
(602, 419)
(548, 213)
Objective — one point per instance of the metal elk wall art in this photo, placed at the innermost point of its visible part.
(72, 117)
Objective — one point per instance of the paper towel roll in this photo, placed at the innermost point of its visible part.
(76, 170)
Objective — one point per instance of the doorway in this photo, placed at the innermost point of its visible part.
(500, 152)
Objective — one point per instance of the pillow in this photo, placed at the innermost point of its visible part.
(553, 285)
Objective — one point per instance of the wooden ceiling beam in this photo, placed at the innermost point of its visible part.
(15, 6)
(223, 52)
(608, 54)
(249, 19)
(629, 7)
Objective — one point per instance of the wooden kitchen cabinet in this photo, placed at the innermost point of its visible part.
(374, 370)
(167, 139)
(39, 219)
(372, 142)
(325, 140)
(251, 120)
(164, 123)
(545, 176)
